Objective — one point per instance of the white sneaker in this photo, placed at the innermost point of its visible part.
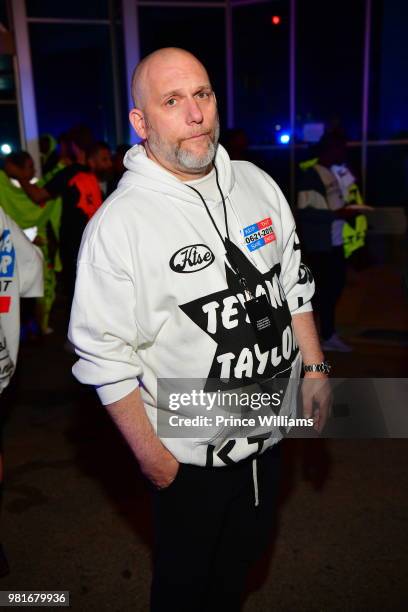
(334, 343)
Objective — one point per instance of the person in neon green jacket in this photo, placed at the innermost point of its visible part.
(46, 217)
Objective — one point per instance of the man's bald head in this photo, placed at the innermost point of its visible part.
(145, 70)
(175, 112)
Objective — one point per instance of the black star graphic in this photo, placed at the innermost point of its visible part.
(223, 317)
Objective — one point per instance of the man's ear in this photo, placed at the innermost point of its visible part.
(136, 118)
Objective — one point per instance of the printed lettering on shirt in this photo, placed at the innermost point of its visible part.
(224, 453)
(222, 316)
(7, 255)
(192, 258)
(258, 234)
(5, 285)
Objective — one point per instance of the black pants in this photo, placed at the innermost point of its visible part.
(209, 532)
(329, 271)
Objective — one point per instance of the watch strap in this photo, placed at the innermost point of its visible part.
(323, 367)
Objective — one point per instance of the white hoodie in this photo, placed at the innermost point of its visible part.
(155, 298)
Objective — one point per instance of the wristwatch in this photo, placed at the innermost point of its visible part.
(323, 367)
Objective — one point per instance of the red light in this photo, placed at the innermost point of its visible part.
(276, 20)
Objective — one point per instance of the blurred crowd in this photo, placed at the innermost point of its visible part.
(78, 173)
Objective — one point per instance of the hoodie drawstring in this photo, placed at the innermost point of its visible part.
(255, 480)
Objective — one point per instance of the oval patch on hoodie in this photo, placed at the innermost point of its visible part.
(192, 258)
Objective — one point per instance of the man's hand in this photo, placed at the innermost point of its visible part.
(157, 463)
(161, 473)
(317, 399)
(316, 391)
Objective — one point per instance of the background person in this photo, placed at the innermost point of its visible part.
(77, 186)
(43, 216)
(100, 162)
(332, 228)
(21, 275)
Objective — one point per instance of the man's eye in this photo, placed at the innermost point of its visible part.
(171, 102)
(203, 94)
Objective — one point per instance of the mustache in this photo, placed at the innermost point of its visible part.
(213, 134)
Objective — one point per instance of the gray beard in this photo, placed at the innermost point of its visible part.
(181, 158)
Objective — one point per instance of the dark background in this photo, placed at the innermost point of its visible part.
(72, 67)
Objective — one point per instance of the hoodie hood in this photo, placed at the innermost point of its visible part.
(145, 173)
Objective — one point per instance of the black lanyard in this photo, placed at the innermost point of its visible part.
(267, 327)
(225, 241)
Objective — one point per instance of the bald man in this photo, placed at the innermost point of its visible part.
(191, 274)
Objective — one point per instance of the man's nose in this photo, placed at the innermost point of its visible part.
(194, 112)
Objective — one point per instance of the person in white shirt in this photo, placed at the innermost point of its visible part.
(166, 271)
(21, 275)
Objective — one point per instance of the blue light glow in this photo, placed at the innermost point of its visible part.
(5, 148)
(284, 138)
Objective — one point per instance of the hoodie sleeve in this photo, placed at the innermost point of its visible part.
(103, 326)
(104, 332)
(298, 281)
(296, 278)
